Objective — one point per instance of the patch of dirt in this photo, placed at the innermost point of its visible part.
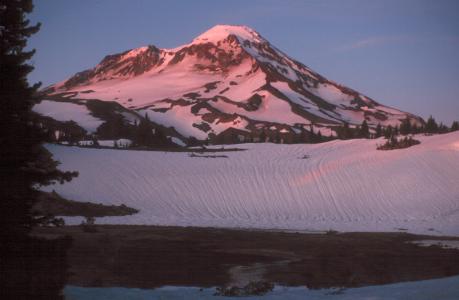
(53, 204)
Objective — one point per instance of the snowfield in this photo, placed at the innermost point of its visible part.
(340, 185)
(68, 111)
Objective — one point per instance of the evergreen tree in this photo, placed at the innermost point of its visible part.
(144, 133)
(24, 164)
(388, 132)
(303, 136)
(396, 130)
(277, 137)
(312, 136)
(379, 131)
(192, 141)
(319, 137)
(95, 141)
(345, 132)
(421, 129)
(160, 139)
(455, 126)
(431, 125)
(405, 126)
(364, 131)
(442, 128)
(262, 136)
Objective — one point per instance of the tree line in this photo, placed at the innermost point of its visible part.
(142, 133)
(406, 127)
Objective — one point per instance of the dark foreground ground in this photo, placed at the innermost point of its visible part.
(150, 256)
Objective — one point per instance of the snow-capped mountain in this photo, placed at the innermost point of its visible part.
(228, 77)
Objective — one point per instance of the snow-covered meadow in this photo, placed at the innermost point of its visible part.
(339, 185)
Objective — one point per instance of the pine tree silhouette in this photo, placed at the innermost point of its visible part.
(30, 268)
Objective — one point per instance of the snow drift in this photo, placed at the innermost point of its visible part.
(340, 185)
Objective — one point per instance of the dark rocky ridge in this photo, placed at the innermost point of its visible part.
(116, 66)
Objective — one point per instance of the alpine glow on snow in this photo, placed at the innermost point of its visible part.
(341, 185)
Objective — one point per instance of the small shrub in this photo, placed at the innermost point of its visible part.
(394, 143)
(49, 220)
(254, 288)
(88, 225)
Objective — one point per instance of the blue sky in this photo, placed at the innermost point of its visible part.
(402, 53)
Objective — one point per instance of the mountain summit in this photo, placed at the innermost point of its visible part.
(221, 32)
(227, 77)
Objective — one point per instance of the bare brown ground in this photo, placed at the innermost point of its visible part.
(150, 256)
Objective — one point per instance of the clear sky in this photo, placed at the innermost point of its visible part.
(402, 53)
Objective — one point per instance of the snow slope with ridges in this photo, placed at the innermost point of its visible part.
(343, 185)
